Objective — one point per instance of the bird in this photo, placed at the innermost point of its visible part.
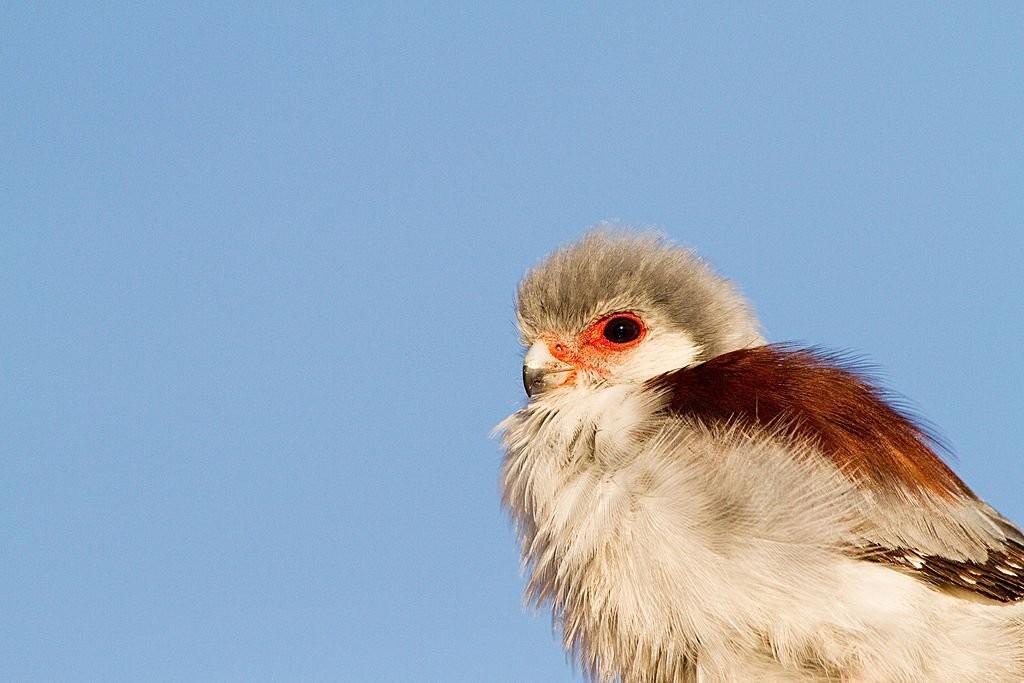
(694, 503)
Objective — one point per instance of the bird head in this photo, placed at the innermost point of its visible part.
(621, 307)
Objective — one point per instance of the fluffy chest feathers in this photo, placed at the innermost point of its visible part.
(564, 467)
(705, 552)
(641, 529)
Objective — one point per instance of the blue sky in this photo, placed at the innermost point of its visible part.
(257, 272)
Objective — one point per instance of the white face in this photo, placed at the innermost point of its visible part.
(620, 347)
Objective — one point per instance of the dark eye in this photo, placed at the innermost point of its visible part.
(622, 330)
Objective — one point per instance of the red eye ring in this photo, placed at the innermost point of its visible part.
(617, 331)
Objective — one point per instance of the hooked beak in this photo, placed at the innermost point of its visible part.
(541, 370)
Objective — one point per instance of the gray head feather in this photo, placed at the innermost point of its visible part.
(617, 270)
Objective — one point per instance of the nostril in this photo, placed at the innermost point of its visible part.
(559, 351)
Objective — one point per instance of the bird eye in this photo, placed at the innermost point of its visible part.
(622, 329)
